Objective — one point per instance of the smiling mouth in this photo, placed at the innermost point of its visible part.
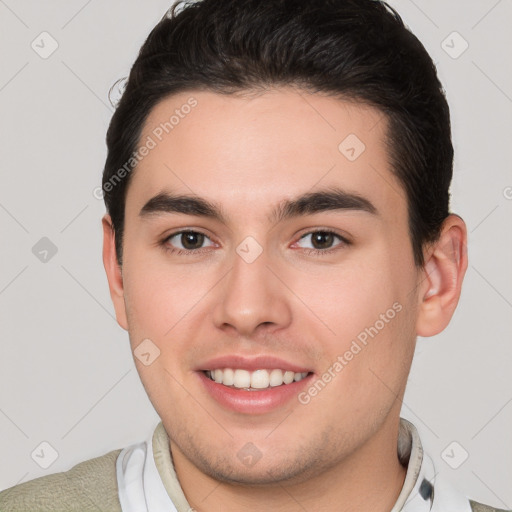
(254, 380)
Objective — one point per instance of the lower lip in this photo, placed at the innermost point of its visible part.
(253, 402)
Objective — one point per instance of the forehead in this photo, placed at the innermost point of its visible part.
(253, 151)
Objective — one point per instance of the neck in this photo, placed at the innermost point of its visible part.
(368, 480)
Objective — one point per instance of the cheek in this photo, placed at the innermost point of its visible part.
(158, 295)
(147, 306)
(349, 297)
(367, 309)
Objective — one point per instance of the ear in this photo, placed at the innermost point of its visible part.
(114, 271)
(446, 262)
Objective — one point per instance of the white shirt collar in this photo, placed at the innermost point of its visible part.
(141, 488)
(418, 490)
(147, 485)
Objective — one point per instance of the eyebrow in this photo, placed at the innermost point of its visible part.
(330, 199)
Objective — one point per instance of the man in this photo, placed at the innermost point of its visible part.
(278, 234)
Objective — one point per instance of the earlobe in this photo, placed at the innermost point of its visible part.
(113, 270)
(443, 273)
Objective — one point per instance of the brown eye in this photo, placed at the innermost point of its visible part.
(186, 242)
(192, 240)
(322, 240)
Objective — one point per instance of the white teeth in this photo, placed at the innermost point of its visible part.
(288, 377)
(258, 379)
(242, 379)
(228, 377)
(276, 378)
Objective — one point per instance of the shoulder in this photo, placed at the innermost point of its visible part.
(90, 485)
(479, 507)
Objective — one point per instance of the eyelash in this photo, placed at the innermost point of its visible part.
(316, 252)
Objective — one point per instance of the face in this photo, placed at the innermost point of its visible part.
(277, 261)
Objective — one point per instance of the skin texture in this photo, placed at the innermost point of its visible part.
(247, 154)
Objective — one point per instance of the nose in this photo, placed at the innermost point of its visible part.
(252, 296)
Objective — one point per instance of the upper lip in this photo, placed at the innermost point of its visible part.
(260, 362)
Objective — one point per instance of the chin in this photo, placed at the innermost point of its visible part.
(260, 473)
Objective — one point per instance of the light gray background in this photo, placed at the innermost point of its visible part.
(66, 373)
